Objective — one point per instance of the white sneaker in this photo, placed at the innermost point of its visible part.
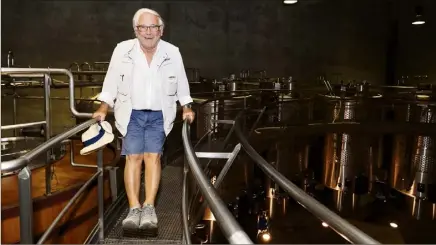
(133, 218)
(148, 218)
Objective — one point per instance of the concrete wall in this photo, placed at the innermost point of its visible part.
(416, 44)
(335, 37)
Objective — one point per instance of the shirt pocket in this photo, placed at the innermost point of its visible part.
(125, 81)
(170, 79)
(171, 85)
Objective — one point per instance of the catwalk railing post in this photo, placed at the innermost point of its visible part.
(100, 194)
(228, 224)
(14, 110)
(217, 155)
(186, 231)
(26, 205)
(47, 110)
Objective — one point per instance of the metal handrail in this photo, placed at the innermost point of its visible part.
(65, 209)
(25, 182)
(186, 233)
(21, 162)
(7, 70)
(338, 224)
(185, 203)
(230, 227)
(23, 125)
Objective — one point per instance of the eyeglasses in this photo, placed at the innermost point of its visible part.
(144, 28)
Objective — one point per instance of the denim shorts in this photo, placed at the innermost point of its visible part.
(145, 133)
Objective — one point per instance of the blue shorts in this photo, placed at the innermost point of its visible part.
(145, 133)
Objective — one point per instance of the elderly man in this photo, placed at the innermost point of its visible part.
(145, 78)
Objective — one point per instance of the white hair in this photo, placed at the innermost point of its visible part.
(146, 10)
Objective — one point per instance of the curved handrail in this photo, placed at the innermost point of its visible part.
(21, 162)
(338, 224)
(186, 234)
(230, 227)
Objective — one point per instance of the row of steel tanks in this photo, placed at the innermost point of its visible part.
(413, 170)
(352, 158)
(355, 161)
(237, 95)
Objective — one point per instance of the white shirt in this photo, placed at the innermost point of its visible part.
(117, 92)
(146, 86)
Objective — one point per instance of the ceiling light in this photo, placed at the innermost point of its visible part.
(418, 16)
(393, 225)
(418, 22)
(289, 1)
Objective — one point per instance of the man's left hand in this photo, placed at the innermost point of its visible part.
(189, 114)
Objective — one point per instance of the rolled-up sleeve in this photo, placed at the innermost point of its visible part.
(183, 91)
(109, 90)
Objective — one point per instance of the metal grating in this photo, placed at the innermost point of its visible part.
(168, 210)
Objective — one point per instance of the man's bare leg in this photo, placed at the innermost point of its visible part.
(152, 177)
(132, 183)
(152, 180)
(132, 178)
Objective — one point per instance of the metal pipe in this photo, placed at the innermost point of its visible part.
(26, 205)
(187, 234)
(55, 98)
(72, 158)
(227, 166)
(257, 121)
(22, 125)
(89, 72)
(52, 71)
(231, 229)
(60, 85)
(47, 132)
(220, 178)
(100, 192)
(25, 75)
(14, 111)
(21, 162)
(338, 224)
(67, 207)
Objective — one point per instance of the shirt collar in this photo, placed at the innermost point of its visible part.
(161, 55)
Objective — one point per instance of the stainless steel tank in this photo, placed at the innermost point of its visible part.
(291, 108)
(232, 86)
(413, 170)
(207, 114)
(220, 109)
(292, 158)
(230, 108)
(350, 159)
(286, 107)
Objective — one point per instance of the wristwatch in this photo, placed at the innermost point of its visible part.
(188, 105)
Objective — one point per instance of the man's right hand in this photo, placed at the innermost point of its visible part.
(101, 112)
(100, 115)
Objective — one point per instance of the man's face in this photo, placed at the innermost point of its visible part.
(148, 30)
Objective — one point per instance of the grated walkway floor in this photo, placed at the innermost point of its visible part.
(168, 210)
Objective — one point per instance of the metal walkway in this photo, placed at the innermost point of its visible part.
(168, 210)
